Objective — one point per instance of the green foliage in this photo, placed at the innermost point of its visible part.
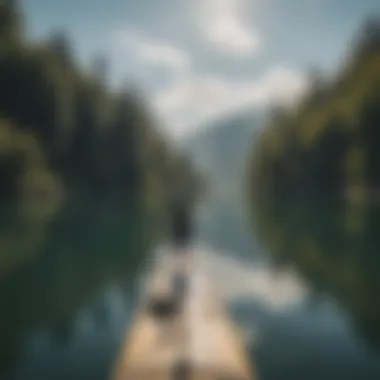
(11, 23)
(329, 143)
(23, 170)
(92, 138)
(68, 261)
(334, 248)
(313, 175)
(30, 187)
(64, 133)
(83, 177)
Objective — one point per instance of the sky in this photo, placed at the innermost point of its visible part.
(197, 60)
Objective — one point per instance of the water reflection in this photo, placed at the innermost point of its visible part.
(67, 298)
(298, 343)
(306, 293)
(334, 246)
(84, 257)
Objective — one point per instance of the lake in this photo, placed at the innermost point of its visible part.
(304, 287)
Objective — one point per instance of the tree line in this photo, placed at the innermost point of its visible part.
(63, 130)
(82, 169)
(314, 179)
(328, 144)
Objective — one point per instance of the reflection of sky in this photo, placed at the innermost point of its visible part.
(291, 338)
(236, 279)
(201, 58)
(291, 335)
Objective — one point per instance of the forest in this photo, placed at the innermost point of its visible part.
(63, 131)
(314, 181)
(84, 177)
(328, 144)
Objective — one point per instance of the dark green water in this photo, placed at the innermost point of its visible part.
(315, 306)
(68, 287)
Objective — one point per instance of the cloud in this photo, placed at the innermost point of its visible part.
(152, 50)
(234, 279)
(195, 92)
(195, 99)
(222, 23)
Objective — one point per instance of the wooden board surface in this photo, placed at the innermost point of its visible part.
(202, 333)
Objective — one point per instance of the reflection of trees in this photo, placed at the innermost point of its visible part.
(328, 148)
(89, 246)
(335, 248)
(63, 131)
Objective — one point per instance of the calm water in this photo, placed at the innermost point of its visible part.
(305, 288)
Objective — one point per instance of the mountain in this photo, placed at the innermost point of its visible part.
(220, 152)
(220, 149)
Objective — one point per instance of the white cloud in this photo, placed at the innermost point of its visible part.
(233, 279)
(152, 50)
(193, 100)
(223, 24)
(193, 91)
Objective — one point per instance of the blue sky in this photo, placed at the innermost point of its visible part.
(199, 59)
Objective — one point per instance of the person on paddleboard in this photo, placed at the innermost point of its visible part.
(182, 209)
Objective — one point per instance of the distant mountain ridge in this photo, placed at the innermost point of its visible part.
(220, 149)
